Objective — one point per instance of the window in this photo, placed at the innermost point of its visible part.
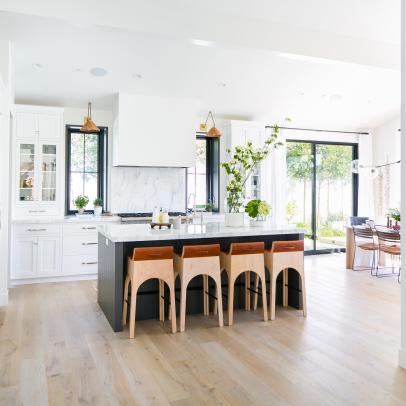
(322, 192)
(85, 166)
(203, 179)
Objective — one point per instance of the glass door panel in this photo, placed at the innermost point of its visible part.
(299, 210)
(48, 172)
(27, 172)
(334, 194)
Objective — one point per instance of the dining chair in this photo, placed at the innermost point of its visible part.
(389, 243)
(364, 240)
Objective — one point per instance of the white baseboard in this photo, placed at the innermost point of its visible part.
(402, 358)
(3, 298)
(71, 278)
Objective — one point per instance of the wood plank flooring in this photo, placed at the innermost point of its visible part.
(57, 348)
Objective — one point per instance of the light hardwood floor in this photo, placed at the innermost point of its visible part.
(57, 348)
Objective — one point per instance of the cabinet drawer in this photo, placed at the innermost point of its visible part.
(80, 245)
(34, 212)
(79, 229)
(79, 264)
(36, 229)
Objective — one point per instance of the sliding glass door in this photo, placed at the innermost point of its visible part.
(322, 192)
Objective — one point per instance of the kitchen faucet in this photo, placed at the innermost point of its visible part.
(194, 202)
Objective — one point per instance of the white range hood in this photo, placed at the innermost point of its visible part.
(154, 131)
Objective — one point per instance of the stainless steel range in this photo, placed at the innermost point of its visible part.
(133, 218)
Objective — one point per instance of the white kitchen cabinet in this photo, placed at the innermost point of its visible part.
(48, 127)
(48, 255)
(35, 256)
(24, 258)
(38, 163)
(26, 125)
(80, 243)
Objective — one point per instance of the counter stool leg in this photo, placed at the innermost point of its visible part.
(126, 283)
(183, 291)
(161, 300)
(272, 294)
(247, 291)
(133, 309)
(219, 300)
(285, 290)
(230, 301)
(205, 295)
(172, 306)
(256, 285)
(264, 303)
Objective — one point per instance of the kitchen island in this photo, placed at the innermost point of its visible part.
(116, 242)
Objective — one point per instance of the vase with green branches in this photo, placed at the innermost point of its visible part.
(244, 161)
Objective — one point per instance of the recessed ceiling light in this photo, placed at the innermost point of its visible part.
(37, 65)
(137, 75)
(98, 71)
(300, 93)
(201, 42)
(222, 84)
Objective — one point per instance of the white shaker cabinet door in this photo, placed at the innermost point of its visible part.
(26, 126)
(49, 256)
(24, 257)
(48, 126)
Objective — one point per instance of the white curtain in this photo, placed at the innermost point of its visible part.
(365, 190)
(273, 176)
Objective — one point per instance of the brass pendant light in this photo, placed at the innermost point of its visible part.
(214, 132)
(89, 125)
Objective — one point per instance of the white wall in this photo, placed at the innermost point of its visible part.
(133, 188)
(6, 101)
(402, 352)
(386, 148)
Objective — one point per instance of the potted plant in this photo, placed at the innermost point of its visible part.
(258, 211)
(243, 162)
(394, 214)
(80, 203)
(98, 206)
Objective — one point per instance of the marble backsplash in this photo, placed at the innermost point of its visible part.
(140, 189)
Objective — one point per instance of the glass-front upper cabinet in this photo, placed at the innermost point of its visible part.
(48, 172)
(27, 172)
(37, 172)
(37, 162)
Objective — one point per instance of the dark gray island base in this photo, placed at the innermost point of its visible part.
(112, 258)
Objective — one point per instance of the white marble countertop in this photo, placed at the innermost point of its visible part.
(68, 219)
(143, 232)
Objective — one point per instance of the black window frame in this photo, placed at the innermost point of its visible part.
(212, 171)
(355, 190)
(102, 163)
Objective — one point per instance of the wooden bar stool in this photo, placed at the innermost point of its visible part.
(244, 257)
(149, 263)
(199, 260)
(282, 256)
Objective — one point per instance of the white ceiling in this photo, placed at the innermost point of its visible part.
(305, 70)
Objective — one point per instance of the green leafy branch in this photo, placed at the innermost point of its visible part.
(243, 162)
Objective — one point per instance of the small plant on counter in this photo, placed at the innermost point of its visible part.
(80, 203)
(98, 202)
(394, 214)
(209, 206)
(98, 206)
(258, 209)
